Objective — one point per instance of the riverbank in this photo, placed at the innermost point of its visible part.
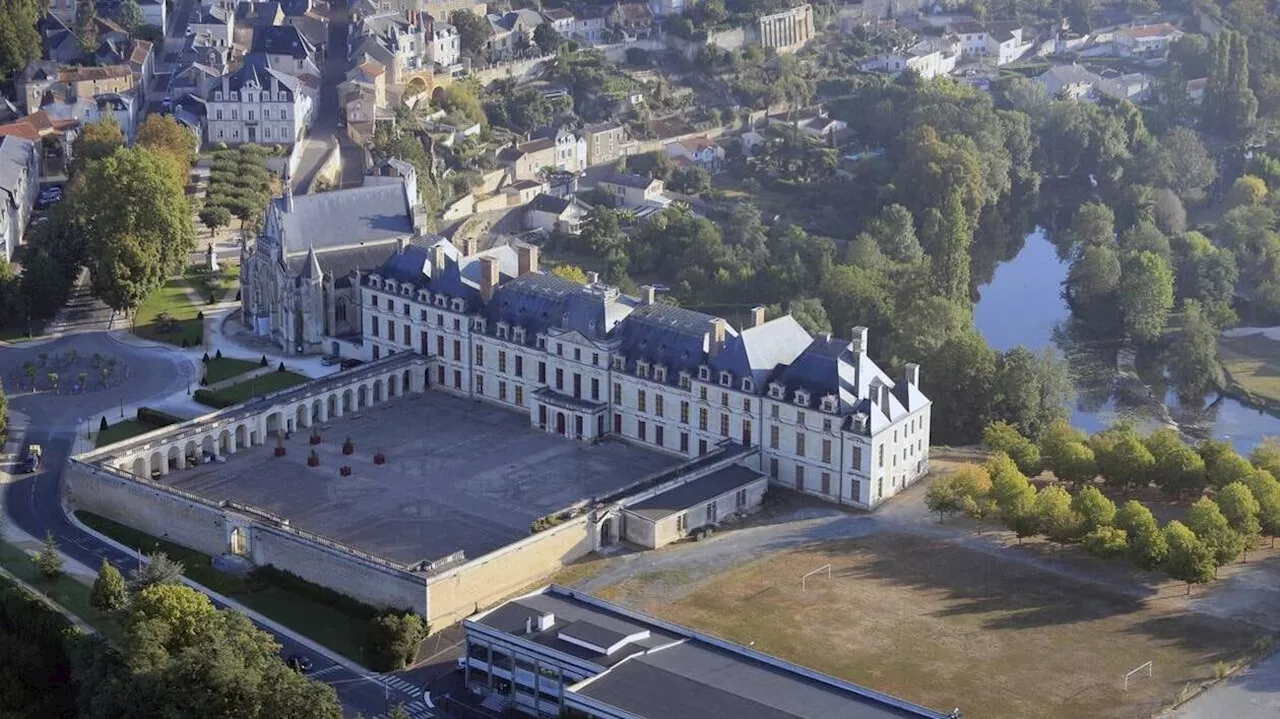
(1250, 360)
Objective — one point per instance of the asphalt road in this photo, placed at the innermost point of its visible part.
(1252, 694)
(33, 502)
(325, 134)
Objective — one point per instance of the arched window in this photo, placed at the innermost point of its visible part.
(341, 312)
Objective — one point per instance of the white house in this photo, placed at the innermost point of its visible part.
(216, 24)
(589, 27)
(1002, 42)
(512, 31)
(153, 12)
(443, 46)
(631, 190)
(561, 20)
(258, 104)
(555, 214)
(928, 58)
(1145, 40)
(19, 186)
(701, 151)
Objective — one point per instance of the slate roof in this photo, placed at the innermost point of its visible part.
(640, 182)
(256, 13)
(15, 153)
(758, 352)
(341, 263)
(534, 301)
(281, 40)
(256, 67)
(551, 204)
(695, 492)
(671, 336)
(346, 217)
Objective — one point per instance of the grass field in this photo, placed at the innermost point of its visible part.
(220, 285)
(168, 316)
(949, 627)
(220, 368)
(256, 387)
(1254, 363)
(122, 430)
(70, 593)
(323, 622)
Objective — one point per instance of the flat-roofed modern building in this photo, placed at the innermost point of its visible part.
(561, 653)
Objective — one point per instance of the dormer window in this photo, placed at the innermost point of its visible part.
(704, 373)
(619, 362)
(775, 390)
(502, 330)
(685, 380)
(660, 373)
(457, 304)
(802, 397)
(440, 300)
(424, 296)
(748, 385)
(725, 379)
(642, 369)
(828, 404)
(406, 289)
(542, 342)
(478, 324)
(519, 334)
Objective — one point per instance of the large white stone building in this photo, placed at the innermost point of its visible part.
(586, 362)
(19, 185)
(258, 104)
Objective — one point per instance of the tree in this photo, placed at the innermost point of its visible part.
(1170, 215)
(1054, 515)
(948, 233)
(1106, 542)
(395, 638)
(1267, 455)
(546, 38)
(215, 217)
(1222, 465)
(1095, 509)
(48, 560)
(1003, 437)
(164, 136)
(1266, 490)
(461, 99)
(1123, 460)
(1193, 361)
(19, 39)
(1178, 468)
(1238, 505)
(473, 31)
(1092, 224)
(1192, 167)
(1187, 558)
(895, 234)
(109, 593)
(1094, 277)
(1211, 527)
(1147, 546)
(96, 141)
(942, 498)
(1031, 390)
(1076, 464)
(1145, 295)
(130, 16)
(1055, 438)
(86, 26)
(131, 248)
(573, 273)
(1247, 190)
(159, 569)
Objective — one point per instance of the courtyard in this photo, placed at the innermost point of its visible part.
(459, 475)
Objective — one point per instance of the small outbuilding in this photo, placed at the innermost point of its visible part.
(676, 511)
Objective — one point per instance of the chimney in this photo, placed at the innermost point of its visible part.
(528, 625)
(858, 340)
(717, 336)
(884, 399)
(593, 278)
(437, 261)
(288, 194)
(528, 258)
(648, 293)
(401, 245)
(488, 277)
(913, 374)
(757, 315)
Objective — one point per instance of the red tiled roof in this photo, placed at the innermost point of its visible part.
(21, 128)
(81, 74)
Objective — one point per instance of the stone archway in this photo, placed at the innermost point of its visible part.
(303, 419)
(140, 467)
(362, 397)
(333, 406)
(346, 400)
(242, 437)
(392, 381)
(274, 422)
(225, 445)
(317, 411)
(405, 384)
(607, 536)
(377, 391)
(191, 452)
(175, 457)
(157, 463)
(207, 447)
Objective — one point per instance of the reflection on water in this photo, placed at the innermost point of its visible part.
(1023, 305)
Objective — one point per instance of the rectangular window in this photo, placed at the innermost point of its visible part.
(480, 384)
(440, 345)
(457, 350)
(577, 385)
(577, 354)
(502, 362)
(881, 456)
(657, 403)
(740, 500)
(773, 411)
(800, 418)
(502, 391)
(617, 393)
(684, 412)
(799, 443)
(826, 451)
(746, 404)
(773, 467)
(479, 355)
(457, 379)
(640, 400)
(426, 345)
(391, 331)
(657, 434)
(642, 430)
(724, 424)
(711, 513)
(799, 478)
(406, 309)
(684, 442)
(376, 352)
(374, 326)
(559, 350)
(702, 393)
(724, 399)
(595, 389)
(559, 378)
(407, 335)
(542, 373)
(439, 320)
(519, 365)
(682, 522)
(856, 461)
(702, 447)
(519, 396)
(773, 436)
(826, 483)
(746, 433)
(702, 418)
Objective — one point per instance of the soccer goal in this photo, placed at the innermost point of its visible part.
(804, 581)
(1131, 672)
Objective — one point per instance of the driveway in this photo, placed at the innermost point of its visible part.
(325, 135)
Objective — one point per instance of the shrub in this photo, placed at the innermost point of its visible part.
(218, 354)
(109, 592)
(281, 367)
(1107, 542)
(394, 640)
(200, 316)
(263, 361)
(102, 426)
(211, 399)
(156, 417)
(205, 358)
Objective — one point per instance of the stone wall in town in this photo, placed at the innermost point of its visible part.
(461, 591)
(189, 521)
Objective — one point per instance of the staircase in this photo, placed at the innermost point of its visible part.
(496, 702)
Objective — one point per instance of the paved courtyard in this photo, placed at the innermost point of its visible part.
(459, 475)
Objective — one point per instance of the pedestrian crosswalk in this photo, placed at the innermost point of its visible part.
(416, 710)
(327, 671)
(399, 684)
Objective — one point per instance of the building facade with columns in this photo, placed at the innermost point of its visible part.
(786, 31)
(589, 362)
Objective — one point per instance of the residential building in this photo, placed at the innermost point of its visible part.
(19, 186)
(287, 51)
(562, 21)
(634, 19)
(631, 190)
(563, 652)
(512, 32)
(928, 58)
(1069, 81)
(587, 362)
(42, 82)
(214, 24)
(300, 281)
(607, 143)
(810, 120)
(1001, 42)
(556, 148)
(398, 42)
(589, 26)
(555, 214)
(258, 104)
(444, 47)
(1196, 89)
(1145, 40)
(786, 31)
(700, 151)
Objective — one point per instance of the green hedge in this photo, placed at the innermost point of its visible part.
(156, 417)
(212, 399)
(288, 581)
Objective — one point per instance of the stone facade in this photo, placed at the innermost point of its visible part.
(258, 104)
(786, 31)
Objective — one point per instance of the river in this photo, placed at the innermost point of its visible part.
(1023, 305)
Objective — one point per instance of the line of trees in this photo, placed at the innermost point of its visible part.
(1218, 530)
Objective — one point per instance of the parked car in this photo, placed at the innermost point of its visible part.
(330, 360)
(299, 663)
(31, 462)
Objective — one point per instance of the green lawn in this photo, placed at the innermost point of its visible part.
(220, 368)
(168, 316)
(256, 387)
(70, 593)
(221, 285)
(324, 622)
(121, 431)
(1254, 365)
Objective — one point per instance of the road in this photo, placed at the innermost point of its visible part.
(1252, 694)
(325, 134)
(33, 502)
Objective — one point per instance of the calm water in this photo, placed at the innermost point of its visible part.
(1023, 305)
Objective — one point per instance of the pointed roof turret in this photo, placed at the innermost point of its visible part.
(312, 271)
